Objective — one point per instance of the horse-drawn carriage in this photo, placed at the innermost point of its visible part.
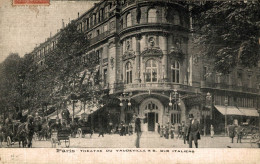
(14, 131)
(84, 127)
(59, 136)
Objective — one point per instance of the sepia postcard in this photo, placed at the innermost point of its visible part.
(129, 81)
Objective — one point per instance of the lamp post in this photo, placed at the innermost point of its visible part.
(177, 101)
(208, 98)
(226, 104)
(124, 97)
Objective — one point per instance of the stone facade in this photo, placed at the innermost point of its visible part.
(150, 58)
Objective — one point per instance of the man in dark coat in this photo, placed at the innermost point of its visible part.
(138, 132)
(239, 133)
(193, 131)
(231, 130)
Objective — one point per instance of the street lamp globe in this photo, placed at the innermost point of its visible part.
(129, 104)
(170, 103)
(121, 104)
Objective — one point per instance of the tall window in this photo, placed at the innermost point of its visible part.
(151, 71)
(152, 16)
(175, 67)
(128, 73)
(128, 20)
(105, 76)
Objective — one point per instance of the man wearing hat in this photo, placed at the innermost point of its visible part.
(193, 131)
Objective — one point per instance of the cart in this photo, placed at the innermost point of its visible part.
(59, 136)
(82, 131)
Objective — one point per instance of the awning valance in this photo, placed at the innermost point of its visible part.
(231, 110)
(249, 112)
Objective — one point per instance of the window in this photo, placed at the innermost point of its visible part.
(175, 118)
(152, 16)
(128, 20)
(239, 78)
(128, 73)
(175, 67)
(176, 18)
(151, 71)
(105, 28)
(250, 81)
(204, 72)
(105, 76)
(98, 32)
(87, 24)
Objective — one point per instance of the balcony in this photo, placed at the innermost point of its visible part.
(99, 37)
(223, 86)
(121, 87)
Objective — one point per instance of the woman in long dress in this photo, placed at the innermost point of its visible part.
(211, 131)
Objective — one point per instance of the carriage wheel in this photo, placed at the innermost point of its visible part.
(8, 141)
(254, 139)
(79, 133)
(67, 143)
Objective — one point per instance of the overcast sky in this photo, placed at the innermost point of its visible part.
(22, 27)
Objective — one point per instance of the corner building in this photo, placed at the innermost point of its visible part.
(147, 61)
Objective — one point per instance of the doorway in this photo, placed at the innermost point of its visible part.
(151, 121)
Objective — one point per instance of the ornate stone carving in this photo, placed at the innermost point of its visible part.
(128, 55)
(152, 52)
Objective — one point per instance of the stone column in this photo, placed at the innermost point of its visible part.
(164, 46)
(137, 60)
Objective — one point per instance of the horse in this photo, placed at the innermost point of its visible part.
(30, 130)
(22, 134)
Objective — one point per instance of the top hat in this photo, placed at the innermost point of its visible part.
(191, 116)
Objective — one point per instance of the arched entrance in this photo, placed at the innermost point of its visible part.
(151, 110)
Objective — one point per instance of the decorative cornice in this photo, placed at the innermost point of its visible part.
(128, 55)
(155, 51)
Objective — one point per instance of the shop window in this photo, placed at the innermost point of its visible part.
(151, 71)
(128, 73)
(175, 69)
(152, 15)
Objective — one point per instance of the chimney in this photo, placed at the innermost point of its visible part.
(50, 34)
(63, 24)
(78, 14)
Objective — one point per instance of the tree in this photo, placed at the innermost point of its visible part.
(10, 84)
(229, 33)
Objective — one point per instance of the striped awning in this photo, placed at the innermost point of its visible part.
(229, 110)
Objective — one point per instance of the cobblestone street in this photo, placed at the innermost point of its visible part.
(148, 140)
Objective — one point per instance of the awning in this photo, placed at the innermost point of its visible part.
(231, 110)
(249, 112)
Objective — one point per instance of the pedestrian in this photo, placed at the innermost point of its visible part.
(101, 128)
(167, 128)
(161, 131)
(138, 132)
(172, 131)
(239, 133)
(130, 129)
(231, 130)
(193, 131)
(185, 131)
(211, 131)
